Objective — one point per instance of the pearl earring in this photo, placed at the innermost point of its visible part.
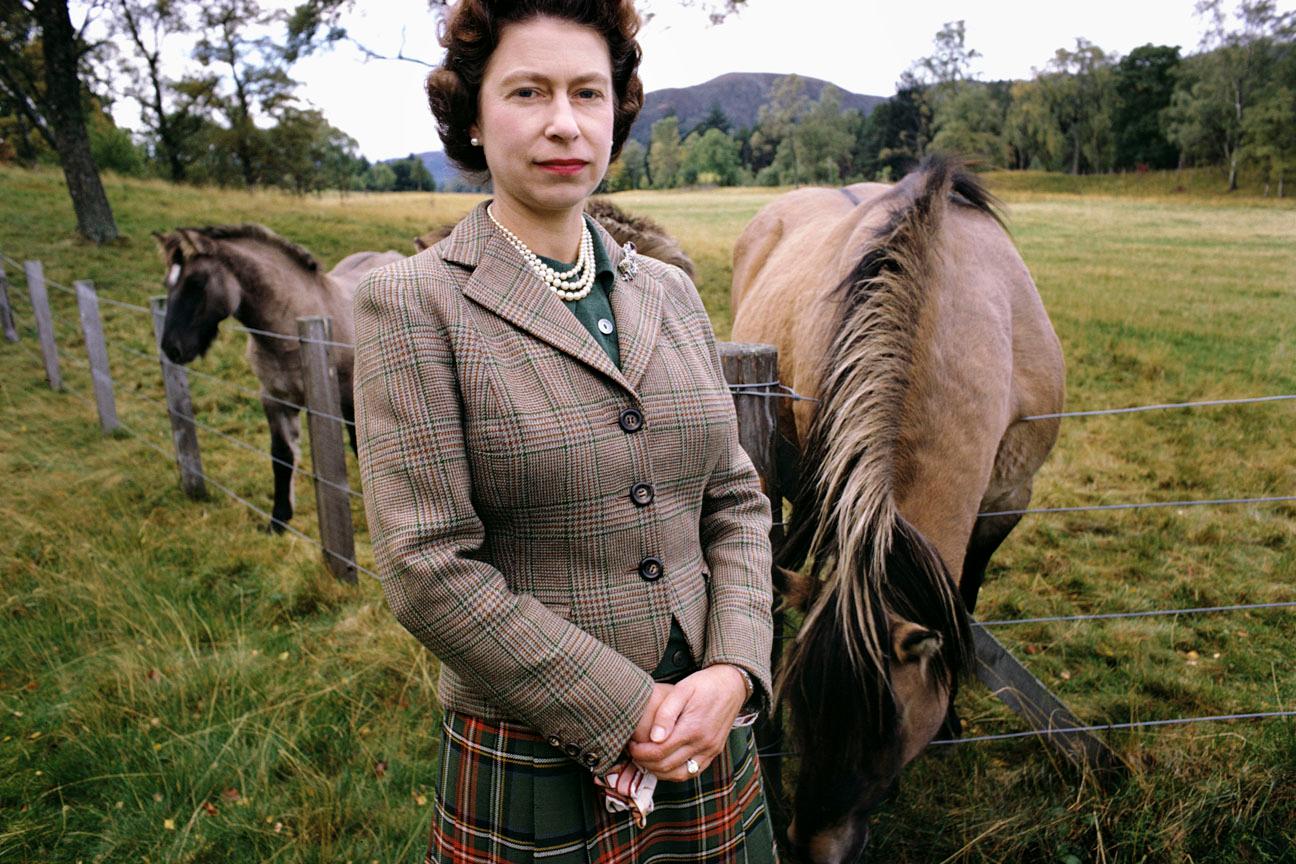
(476, 142)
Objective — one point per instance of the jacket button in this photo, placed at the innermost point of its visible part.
(641, 494)
(572, 750)
(555, 741)
(680, 658)
(590, 759)
(650, 569)
(631, 420)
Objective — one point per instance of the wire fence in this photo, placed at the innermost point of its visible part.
(763, 389)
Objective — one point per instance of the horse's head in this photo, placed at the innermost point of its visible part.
(201, 293)
(868, 683)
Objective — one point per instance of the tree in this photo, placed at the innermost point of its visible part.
(711, 158)
(664, 153)
(715, 119)
(43, 60)
(776, 121)
(257, 70)
(412, 175)
(1144, 85)
(891, 140)
(1217, 88)
(145, 25)
(970, 122)
(1270, 133)
(629, 170)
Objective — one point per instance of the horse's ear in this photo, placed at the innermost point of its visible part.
(169, 245)
(910, 641)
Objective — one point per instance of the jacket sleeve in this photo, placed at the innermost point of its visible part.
(735, 528)
(426, 537)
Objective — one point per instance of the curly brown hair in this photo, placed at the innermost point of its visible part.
(472, 30)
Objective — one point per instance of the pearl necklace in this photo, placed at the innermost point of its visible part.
(569, 285)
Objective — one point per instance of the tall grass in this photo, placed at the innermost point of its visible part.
(178, 685)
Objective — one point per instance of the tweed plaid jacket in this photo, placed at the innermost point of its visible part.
(538, 515)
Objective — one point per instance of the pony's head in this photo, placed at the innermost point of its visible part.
(868, 685)
(201, 292)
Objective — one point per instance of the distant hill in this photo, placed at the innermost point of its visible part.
(739, 95)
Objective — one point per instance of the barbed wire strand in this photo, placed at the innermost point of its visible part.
(239, 328)
(1107, 616)
(1104, 616)
(240, 443)
(245, 390)
(1146, 505)
(1207, 403)
(1096, 727)
(143, 439)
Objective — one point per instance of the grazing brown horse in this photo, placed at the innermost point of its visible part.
(649, 238)
(266, 283)
(908, 315)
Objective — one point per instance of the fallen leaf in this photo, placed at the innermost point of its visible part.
(157, 796)
(168, 824)
(1032, 649)
(231, 794)
(32, 685)
(154, 675)
(283, 656)
(420, 800)
(155, 722)
(209, 808)
(380, 768)
(278, 826)
(156, 746)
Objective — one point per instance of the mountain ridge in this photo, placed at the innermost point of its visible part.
(738, 94)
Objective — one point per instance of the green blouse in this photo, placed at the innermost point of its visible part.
(594, 311)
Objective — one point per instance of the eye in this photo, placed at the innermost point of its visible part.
(525, 92)
(588, 94)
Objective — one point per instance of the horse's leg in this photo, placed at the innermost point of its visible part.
(285, 434)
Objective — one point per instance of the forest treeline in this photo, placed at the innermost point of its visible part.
(235, 117)
(1232, 104)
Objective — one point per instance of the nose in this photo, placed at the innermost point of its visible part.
(562, 120)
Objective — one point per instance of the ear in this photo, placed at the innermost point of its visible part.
(911, 642)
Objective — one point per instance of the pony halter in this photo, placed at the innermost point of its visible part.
(569, 285)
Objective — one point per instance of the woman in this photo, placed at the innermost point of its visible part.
(558, 503)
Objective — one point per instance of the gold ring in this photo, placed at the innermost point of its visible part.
(692, 766)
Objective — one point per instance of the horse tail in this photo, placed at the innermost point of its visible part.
(845, 513)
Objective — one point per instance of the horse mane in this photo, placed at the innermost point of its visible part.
(252, 231)
(836, 678)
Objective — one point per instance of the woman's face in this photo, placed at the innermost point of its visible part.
(545, 114)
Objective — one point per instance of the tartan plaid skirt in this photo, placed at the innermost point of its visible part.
(505, 795)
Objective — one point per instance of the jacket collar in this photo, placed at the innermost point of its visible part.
(501, 282)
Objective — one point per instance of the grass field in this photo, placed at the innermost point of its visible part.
(176, 685)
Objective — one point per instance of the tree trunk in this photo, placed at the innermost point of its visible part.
(63, 110)
(1233, 171)
(1281, 177)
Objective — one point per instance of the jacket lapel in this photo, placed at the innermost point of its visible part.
(501, 282)
(637, 307)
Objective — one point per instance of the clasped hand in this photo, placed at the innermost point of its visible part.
(688, 720)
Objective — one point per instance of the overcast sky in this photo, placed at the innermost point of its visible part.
(860, 45)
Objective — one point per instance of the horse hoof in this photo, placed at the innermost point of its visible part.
(275, 526)
(952, 727)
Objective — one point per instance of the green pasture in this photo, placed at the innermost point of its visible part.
(178, 685)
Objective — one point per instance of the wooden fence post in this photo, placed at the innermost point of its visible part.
(1027, 696)
(92, 330)
(184, 435)
(753, 370)
(328, 450)
(44, 322)
(6, 311)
